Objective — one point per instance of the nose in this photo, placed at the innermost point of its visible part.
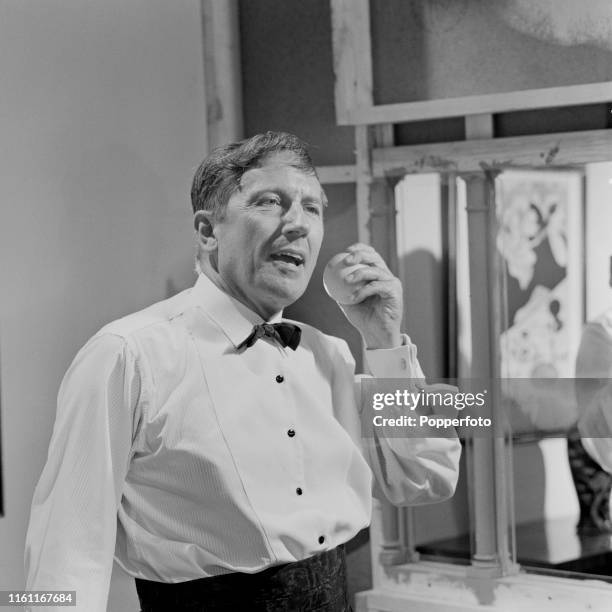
(295, 221)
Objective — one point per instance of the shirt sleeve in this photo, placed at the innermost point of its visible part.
(408, 470)
(71, 535)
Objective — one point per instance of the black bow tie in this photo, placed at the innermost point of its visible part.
(286, 334)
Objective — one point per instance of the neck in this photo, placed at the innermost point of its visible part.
(218, 281)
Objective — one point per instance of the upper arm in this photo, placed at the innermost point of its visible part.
(71, 535)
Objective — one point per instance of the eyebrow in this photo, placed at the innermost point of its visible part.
(322, 200)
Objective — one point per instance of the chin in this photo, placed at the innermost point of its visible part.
(280, 295)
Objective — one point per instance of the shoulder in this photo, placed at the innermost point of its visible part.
(148, 320)
(130, 344)
(154, 334)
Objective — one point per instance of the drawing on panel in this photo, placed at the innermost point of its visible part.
(540, 240)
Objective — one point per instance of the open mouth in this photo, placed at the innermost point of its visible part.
(290, 258)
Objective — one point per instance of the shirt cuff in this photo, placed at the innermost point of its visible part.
(398, 362)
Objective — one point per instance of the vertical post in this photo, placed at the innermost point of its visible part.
(452, 341)
(363, 166)
(489, 460)
(222, 77)
(392, 518)
(490, 468)
(352, 57)
(479, 126)
(479, 209)
(382, 202)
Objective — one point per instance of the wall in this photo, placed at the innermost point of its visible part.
(103, 123)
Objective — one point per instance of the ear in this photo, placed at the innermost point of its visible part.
(204, 224)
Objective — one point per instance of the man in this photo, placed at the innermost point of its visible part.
(217, 453)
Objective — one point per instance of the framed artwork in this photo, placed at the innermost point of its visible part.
(406, 60)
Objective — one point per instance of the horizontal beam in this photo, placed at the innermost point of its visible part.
(336, 174)
(368, 114)
(541, 151)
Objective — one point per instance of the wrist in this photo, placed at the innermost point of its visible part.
(387, 339)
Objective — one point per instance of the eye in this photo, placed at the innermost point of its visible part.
(269, 200)
(313, 209)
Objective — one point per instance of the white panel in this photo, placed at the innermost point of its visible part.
(417, 200)
(419, 244)
(464, 322)
(598, 235)
(560, 497)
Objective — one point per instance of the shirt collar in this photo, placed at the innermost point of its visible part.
(232, 316)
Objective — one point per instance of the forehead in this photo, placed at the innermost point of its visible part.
(278, 171)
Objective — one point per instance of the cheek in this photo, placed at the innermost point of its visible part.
(242, 245)
(316, 241)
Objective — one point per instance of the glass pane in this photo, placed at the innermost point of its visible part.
(555, 240)
(425, 239)
(556, 268)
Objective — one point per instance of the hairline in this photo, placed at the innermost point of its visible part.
(261, 163)
(220, 174)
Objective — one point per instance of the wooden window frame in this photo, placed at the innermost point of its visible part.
(354, 99)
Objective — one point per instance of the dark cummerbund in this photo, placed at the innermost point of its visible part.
(316, 584)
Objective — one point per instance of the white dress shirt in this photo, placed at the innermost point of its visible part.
(190, 458)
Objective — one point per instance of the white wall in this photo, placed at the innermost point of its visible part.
(598, 245)
(103, 122)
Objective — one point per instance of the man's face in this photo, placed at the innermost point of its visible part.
(270, 236)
